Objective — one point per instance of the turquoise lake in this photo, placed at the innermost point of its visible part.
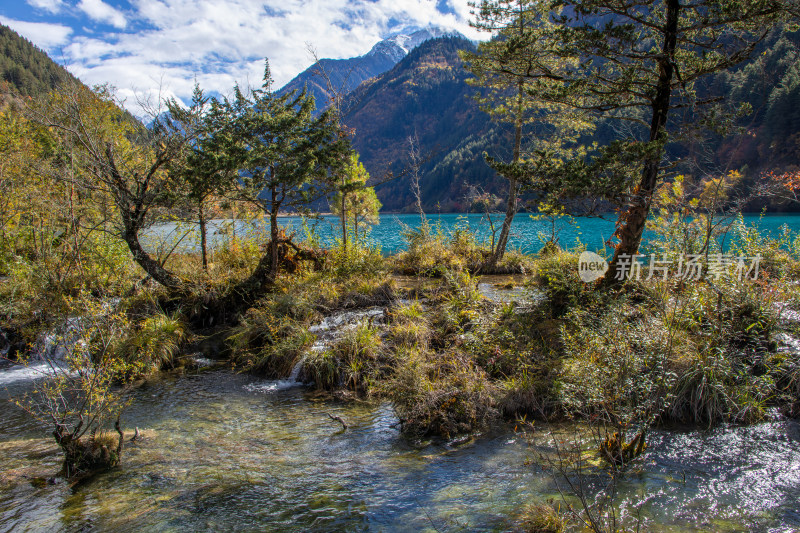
(527, 234)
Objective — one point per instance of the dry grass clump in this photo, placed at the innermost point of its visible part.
(441, 395)
(540, 518)
(268, 344)
(432, 253)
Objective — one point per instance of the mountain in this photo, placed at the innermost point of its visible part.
(425, 96)
(347, 74)
(770, 84)
(25, 70)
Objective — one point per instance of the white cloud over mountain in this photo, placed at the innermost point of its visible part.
(51, 6)
(142, 45)
(44, 34)
(102, 12)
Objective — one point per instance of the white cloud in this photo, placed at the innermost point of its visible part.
(221, 42)
(42, 34)
(51, 6)
(102, 12)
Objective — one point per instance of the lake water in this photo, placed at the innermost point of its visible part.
(527, 234)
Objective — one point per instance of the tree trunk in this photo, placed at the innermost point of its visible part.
(344, 221)
(83, 455)
(273, 233)
(631, 223)
(511, 203)
(511, 210)
(268, 265)
(203, 246)
(148, 264)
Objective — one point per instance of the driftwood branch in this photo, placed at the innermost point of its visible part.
(121, 438)
(338, 419)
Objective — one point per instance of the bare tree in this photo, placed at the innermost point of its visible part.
(414, 164)
(115, 155)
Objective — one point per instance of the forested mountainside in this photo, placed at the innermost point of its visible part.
(25, 70)
(770, 83)
(426, 95)
(423, 94)
(347, 74)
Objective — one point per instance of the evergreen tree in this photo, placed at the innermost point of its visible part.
(203, 171)
(284, 156)
(639, 61)
(27, 69)
(502, 66)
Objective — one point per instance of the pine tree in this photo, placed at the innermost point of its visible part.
(283, 155)
(200, 172)
(502, 67)
(639, 61)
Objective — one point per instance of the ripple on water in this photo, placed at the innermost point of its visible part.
(219, 453)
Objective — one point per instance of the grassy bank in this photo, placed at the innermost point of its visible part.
(449, 359)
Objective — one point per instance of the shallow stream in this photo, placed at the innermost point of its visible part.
(223, 452)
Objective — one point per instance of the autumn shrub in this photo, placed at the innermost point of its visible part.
(426, 253)
(514, 262)
(617, 365)
(35, 293)
(786, 366)
(357, 258)
(710, 389)
(556, 275)
(82, 392)
(531, 392)
(237, 254)
(288, 300)
(432, 252)
(442, 395)
(778, 255)
(459, 307)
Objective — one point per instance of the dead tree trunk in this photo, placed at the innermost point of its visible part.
(203, 242)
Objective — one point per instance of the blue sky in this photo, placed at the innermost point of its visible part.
(150, 49)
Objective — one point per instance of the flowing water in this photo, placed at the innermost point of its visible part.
(224, 451)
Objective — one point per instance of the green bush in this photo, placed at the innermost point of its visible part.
(556, 275)
(617, 364)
